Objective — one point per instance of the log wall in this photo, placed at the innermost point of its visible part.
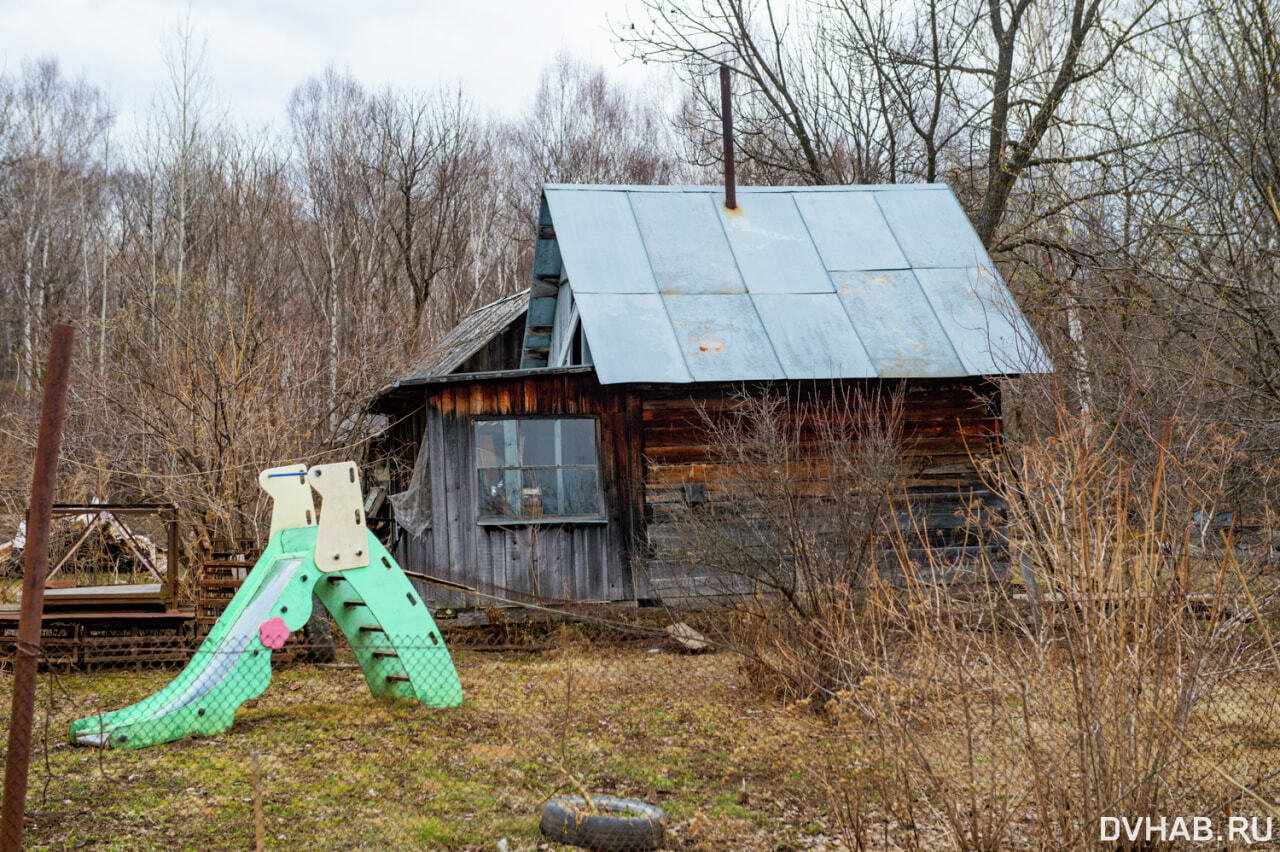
(653, 440)
(947, 424)
(577, 560)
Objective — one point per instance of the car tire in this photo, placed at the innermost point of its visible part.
(617, 825)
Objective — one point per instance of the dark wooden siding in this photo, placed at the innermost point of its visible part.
(652, 440)
(500, 353)
(582, 561)
(947, 424)
(944, 422)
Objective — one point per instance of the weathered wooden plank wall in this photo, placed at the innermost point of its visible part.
(582, 561)
(652, 440)
(500, 353)
(946, 423)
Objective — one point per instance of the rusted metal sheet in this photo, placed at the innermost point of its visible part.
(897, 323)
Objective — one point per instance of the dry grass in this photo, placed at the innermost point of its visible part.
(343, 770)
(1136, 676)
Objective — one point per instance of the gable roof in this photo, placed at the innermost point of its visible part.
(797, 283)
(470, 336)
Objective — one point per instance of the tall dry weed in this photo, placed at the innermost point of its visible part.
(1116, 661)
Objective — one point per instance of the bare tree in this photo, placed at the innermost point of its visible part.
(433, 157)
(583, 128)
(857, 91)
(54, 125)
(183, 103)
(1226, 220)
(804, 113)
(330, 119)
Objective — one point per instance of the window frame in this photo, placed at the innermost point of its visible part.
(485, 520)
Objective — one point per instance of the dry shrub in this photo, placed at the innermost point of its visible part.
(1134, 674)
(1148, 643)
(211, 391)
(793, 520)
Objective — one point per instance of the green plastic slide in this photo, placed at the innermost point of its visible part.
(395, 640)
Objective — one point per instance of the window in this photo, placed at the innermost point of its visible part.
(537, 468)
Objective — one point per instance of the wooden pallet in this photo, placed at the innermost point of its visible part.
(102, 638)
(224, 564)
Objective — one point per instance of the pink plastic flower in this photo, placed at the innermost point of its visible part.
(273, 632)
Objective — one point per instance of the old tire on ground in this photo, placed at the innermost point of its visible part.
(618, 825)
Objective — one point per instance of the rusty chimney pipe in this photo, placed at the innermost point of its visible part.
(726, 113)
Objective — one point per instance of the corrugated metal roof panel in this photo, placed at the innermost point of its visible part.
(849, 231)
(774, 248)
(631, 338)
(686, 244)
(603, 245)
(812, 336)
(721, 338)
(897, 324)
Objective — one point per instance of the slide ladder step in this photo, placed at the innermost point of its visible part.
(393, 634)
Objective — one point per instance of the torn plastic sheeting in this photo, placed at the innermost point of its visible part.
(411, 507)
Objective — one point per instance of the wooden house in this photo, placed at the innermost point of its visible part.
(546, 433)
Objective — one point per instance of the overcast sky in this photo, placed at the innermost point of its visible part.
(257, 52)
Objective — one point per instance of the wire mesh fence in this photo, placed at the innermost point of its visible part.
(153, 754)
(983, 734)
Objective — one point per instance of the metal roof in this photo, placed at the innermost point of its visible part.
(470, 336)
(798, 283)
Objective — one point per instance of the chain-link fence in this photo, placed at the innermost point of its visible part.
(988, 721)
(975, 729)
(383, 743)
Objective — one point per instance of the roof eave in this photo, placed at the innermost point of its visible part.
(488, 376)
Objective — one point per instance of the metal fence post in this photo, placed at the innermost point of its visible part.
(35, 565)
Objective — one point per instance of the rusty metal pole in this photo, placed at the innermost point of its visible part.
(35, 564)
(726, 114)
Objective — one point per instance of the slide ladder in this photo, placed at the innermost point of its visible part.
(395, 640)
